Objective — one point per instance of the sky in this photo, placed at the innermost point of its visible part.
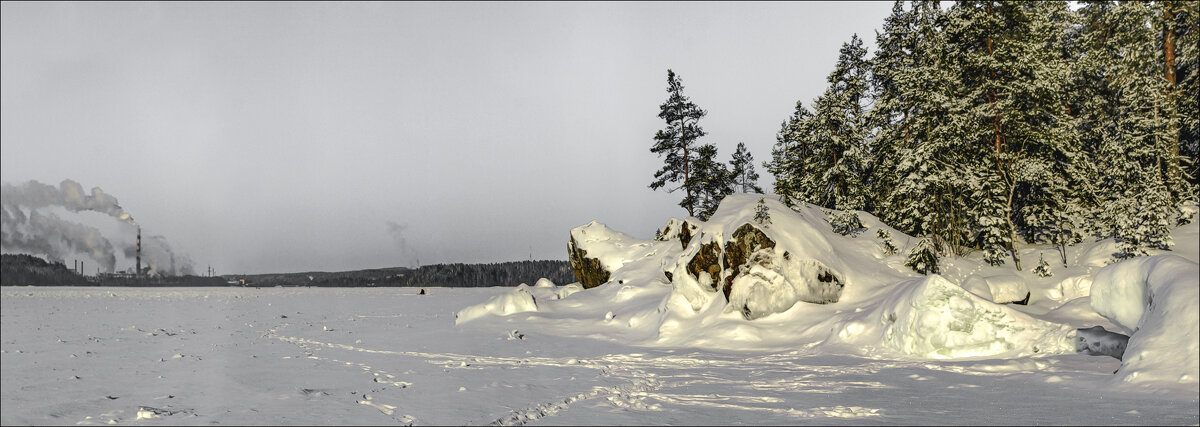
(288, 137)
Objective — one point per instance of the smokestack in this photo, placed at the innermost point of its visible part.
(138, 272)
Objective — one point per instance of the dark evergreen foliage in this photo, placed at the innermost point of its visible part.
(677, 142)
(989, 124)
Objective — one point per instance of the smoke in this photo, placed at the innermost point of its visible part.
(160, 258)
(44, 233)
(408, 256)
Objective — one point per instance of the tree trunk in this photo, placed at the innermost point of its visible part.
(1173, 170)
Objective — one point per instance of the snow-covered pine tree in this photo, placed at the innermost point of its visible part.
(762, 215)
(1187, 73)
(846, 223)
(1164, 22)
(924, 257)
(677, 142)
(838, 133)
(888, 120)
(789, 156)
(1137, 147)
(711, 180)
(1043, 267)
(991, 215)
(885, 242)
(1146, 217)
(745, 179)
(926, 199)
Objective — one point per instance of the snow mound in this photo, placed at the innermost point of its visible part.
(933, 318)
(1157, 299)
(1071, 288)
(569, 289)
(1001, 289)
(519, 300)
(544, 283)
(778, 286)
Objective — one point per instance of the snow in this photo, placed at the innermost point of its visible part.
(1157, 299)
(518, 300)
(638, 349)
(395, 357)
(544, 283)
(933, 318)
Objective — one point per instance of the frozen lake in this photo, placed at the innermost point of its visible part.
(390, 356)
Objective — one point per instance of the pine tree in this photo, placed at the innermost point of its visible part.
(745, 178)
(846, 222)
(677, 142)
(927, 197)
(1187, 73)
(1043, 267)
(1135, 127)
(790, 157)
(837, 129)
(888, 121)
(711, 181)
(885, 242)
(924, 257)
(761, 214)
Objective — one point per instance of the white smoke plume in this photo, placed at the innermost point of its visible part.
(408, 256)
(44, 233)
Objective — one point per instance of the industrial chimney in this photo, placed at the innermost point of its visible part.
(138, 272)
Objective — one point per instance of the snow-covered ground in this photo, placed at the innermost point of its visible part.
(385, 356)
(886, 346)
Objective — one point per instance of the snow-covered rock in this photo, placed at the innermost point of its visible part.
(569, 289)
(544, 283)
(519, 300)
(1097, 341)
(596, 251)
(934, 318)
(1156, 298)
(758, 269)
(678, 230)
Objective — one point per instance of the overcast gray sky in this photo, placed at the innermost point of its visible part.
(279, 137)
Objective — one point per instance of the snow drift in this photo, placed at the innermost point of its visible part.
(1156, 299)
(519, 300)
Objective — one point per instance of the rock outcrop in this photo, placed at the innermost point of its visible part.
(744, 262)
(677, 229)
(744, 250)
(587, 270)
(708, 261)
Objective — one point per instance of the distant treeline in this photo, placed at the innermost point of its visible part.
(439, 275)
(29, 270)
(24, 270)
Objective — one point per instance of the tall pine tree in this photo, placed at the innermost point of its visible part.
(677, 142)
(838, 133)
(711, 180)
(745, 179)
(789, 157)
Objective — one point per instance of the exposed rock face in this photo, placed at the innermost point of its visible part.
(676, 228)
(1096, 341)
(747, 240)
(707, 260)
(588, 271)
